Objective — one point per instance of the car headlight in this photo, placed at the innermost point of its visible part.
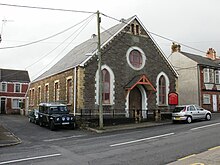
(67, 118)
(57, 119)
(71, 118)
(63, 118)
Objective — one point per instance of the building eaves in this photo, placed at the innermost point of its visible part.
(201, 60)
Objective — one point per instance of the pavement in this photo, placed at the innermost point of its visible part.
(7, 138)
(209, 157)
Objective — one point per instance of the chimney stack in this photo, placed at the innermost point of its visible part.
(211, 53)
(175, 47)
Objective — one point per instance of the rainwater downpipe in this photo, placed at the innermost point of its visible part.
(74, 94)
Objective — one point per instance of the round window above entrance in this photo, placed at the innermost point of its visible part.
(135, 58)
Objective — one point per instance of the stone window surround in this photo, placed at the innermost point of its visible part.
(167, 88)
(112, 85)
(142, 54)
(71, 97)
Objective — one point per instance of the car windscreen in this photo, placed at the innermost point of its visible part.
(58, 109)
(178, 109)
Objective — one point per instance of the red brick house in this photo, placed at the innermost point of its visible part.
(13, 88)
(199, 78)
(136, 74)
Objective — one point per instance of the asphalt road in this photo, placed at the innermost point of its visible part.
(157, 145)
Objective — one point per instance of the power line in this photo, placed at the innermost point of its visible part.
(158, 35)
(54, 35)
(46, 8)
(83, 27)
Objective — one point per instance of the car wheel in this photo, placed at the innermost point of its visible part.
(72, 126)
(52, 126)
(189, 119)
(29, 120)
(174, 121)
(40, 123)
(208, 117)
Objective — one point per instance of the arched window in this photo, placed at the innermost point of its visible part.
(106, 86)
(162, 90)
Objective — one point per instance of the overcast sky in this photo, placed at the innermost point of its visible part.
(192, 22)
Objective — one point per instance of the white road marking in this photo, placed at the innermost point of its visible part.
(139, 140)
(63, 138)
(205, 126)
(30, 158)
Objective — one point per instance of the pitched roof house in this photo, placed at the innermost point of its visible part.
(199, 78)
(13, 88)
(136, 74)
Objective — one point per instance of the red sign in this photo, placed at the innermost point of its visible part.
(173, 98)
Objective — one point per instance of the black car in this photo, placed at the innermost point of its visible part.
(33, 116)
(55, 115)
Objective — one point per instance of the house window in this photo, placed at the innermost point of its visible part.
(135, 58)
(206, 99)
(106, 86)
(4, 87)
(46, 96)
(208, 75)
(32, 97)
(137, 29)
(69, 91)
(18, 88)
(39, 95)
(132, 29)
(15, 103)
(56, 91)
(217, 76)
(162, 90)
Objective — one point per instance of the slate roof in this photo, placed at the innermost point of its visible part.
(9, 75)
(202, 60)
(79, 55)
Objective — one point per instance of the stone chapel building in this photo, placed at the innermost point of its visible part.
(136, 73)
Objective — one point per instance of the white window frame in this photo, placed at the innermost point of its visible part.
(5, 86)
(70, 90)
(206, 99)
(57, 98)
(167, 88)
(208, 75)
(217, 76)
(142, 54)
(17, 106)
(15, 87)
(112, 85)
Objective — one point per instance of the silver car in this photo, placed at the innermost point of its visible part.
(189, 113)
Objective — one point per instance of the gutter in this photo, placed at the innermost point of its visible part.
(74, 94)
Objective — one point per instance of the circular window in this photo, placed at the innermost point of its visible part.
(135, 58)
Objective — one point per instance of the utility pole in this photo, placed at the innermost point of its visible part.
(100, 72)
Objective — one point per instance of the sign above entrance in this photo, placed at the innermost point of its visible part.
(173, 98)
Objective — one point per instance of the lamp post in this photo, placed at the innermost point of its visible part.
(99, 72)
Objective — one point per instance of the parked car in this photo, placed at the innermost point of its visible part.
(33, 116)
(189, 113)
(55, 115)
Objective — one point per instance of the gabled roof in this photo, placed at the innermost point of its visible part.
(201, 60)
(140, 80)
(78, 56)
(9, 75)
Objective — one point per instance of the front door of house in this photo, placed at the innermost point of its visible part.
(214, 101)
(3, 105)
(135, 102)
